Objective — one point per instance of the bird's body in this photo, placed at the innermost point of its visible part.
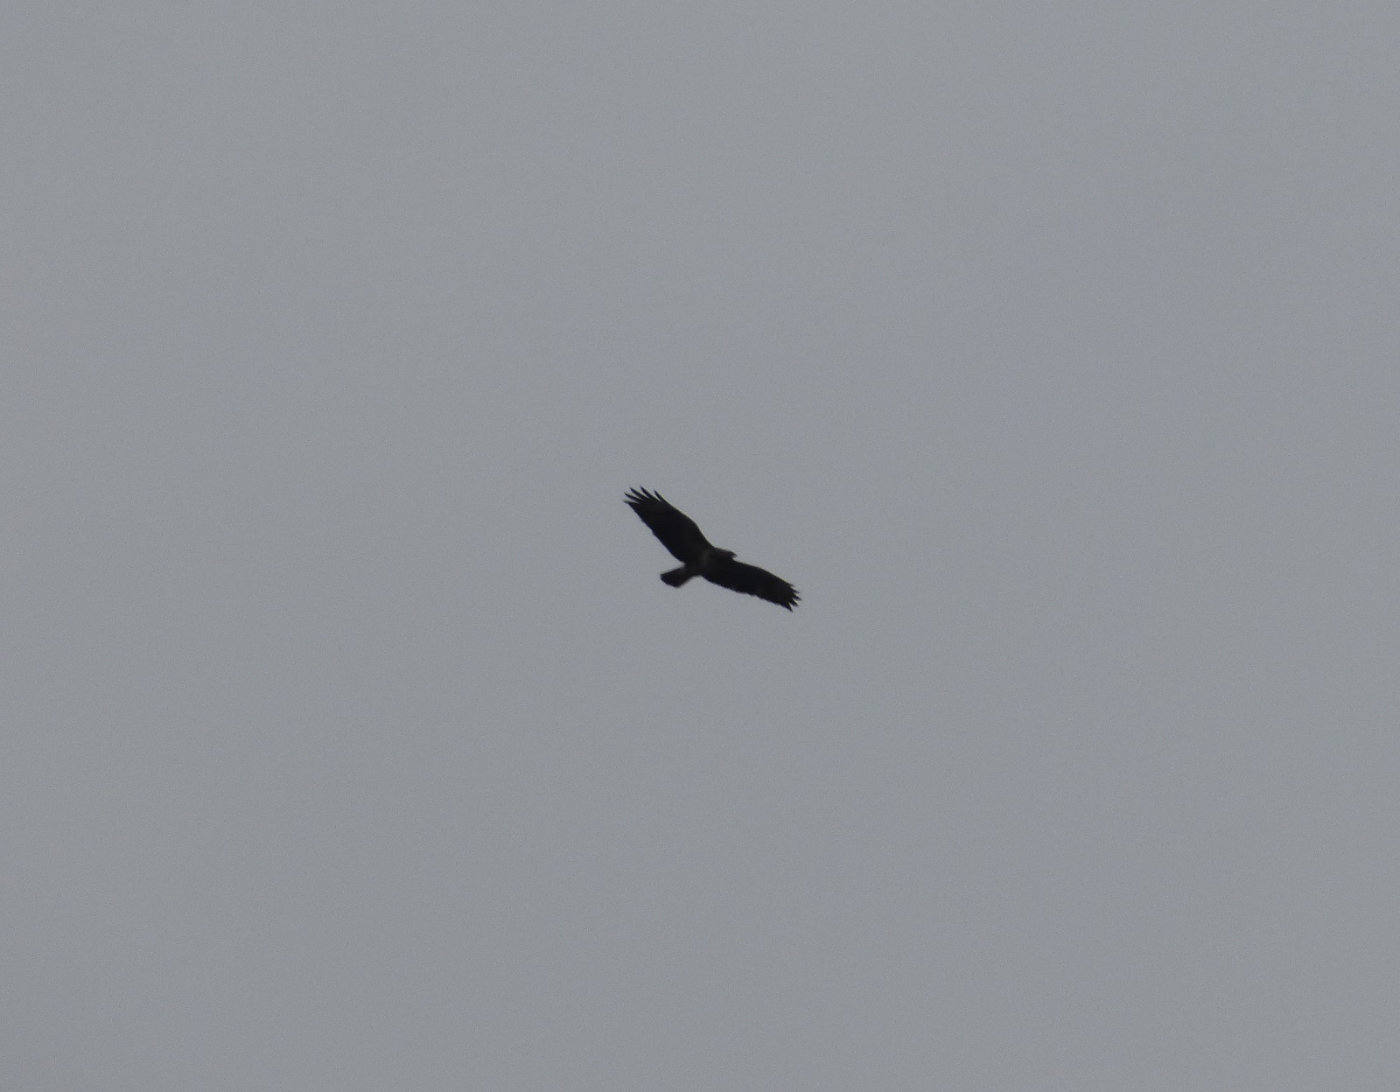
(683, 538)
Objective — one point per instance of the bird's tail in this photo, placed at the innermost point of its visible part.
(676, 577)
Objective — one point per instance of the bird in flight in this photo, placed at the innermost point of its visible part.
(679, 534)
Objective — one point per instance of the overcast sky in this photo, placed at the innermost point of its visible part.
(349, 738)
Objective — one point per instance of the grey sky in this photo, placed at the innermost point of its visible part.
(350, 739)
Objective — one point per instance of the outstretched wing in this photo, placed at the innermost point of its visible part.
(751, 580)
(677, 531)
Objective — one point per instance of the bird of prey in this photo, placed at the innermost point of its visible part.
(679, 534)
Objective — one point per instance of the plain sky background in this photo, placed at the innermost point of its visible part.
(349, 739)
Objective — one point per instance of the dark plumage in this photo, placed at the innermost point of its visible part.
(679, 534)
